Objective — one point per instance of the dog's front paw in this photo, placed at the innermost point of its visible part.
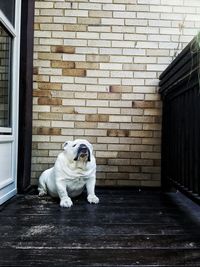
(42, 193)
(66, 202)
(93, 199)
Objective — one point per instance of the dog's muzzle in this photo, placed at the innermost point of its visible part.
(83, 152)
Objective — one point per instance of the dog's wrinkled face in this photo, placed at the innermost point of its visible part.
(78, 150)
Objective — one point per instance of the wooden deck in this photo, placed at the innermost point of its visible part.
(129, 227)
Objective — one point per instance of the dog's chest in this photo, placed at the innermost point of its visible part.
(76, 186)
(78, 182)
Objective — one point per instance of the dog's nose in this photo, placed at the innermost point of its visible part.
(83, 148)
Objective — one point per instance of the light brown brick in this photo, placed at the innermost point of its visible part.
(116, 176)
(108, 140)
(119, 162)
(151, 183)
(151, 169)
(150, 155)
(97, 58)
(141, 133)
(106, 154)
(101, 161)
(152, 126)
(141, 148)
(128, 155)
(129, 169)
(75, 28)
(113, 96)
(63, 64)
(86, 125)
(50, 116)
(87, 65)
(128, 182)
(140, 176)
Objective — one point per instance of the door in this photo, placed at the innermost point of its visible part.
(9, 95)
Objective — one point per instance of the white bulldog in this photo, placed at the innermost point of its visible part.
(74, 169)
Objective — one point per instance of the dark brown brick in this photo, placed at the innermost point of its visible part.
(63, 49)
(97, 117)
(124, 133)
(74, 72)
(35, 70)
(49, 86)
(119, 89)
(143, 104)
(41, 93)
(48, 131)
(49, 101)
(101, 161)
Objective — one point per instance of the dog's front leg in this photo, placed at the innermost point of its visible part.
(90, 186)
(65, 200)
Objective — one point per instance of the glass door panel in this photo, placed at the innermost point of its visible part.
(8, 8)
(5, 79)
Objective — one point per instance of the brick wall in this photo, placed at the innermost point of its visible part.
(96, 69)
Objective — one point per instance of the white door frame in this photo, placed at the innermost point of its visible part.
(9, 141)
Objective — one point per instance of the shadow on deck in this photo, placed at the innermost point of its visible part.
(128, 228)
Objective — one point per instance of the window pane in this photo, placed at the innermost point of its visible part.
(5, 78)
(8, 8)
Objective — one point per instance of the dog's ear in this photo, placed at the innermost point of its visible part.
(65, 145)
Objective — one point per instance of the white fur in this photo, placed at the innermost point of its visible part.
(69, 177)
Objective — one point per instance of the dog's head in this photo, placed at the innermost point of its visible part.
(78, 150)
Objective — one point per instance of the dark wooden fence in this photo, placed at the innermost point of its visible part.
(180, 91)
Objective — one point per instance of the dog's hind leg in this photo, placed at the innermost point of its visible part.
(42, 187)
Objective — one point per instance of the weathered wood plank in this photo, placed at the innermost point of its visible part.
(100, 257)
(110, 241)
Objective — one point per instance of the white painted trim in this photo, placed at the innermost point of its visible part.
(6, 138)
(6, 183)
(15, 87)
(7, 196)
(5, 130)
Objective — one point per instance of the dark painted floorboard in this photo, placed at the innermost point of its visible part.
(128, 228)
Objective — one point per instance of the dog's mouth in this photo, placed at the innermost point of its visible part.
(83, 153)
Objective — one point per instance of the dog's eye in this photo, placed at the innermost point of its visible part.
(74, 145)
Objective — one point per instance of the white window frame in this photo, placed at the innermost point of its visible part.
(10, 134)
